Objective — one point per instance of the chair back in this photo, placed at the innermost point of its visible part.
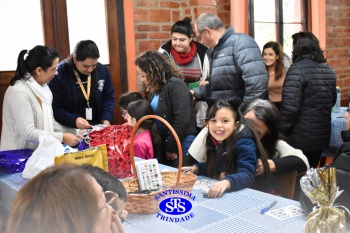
(284, 183)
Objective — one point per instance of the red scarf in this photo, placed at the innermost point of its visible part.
(216, 142)
(186, 57)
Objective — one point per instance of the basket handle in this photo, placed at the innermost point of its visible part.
(172, 131)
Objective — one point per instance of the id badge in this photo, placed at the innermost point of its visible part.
(88, 113)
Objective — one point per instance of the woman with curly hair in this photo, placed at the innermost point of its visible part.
(170, 99)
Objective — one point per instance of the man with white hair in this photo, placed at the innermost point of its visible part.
(237, 70)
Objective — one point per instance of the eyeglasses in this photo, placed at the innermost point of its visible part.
(199, 37)
(110, 199)
(141, 75)
(124, 112)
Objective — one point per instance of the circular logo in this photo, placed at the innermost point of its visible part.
(175, 206)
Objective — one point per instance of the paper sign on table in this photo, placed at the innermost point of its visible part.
(286, 212)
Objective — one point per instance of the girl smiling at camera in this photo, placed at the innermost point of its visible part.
(232, 152)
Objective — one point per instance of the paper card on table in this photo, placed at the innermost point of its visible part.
(148, 174)
(286, 212)
(203, 183)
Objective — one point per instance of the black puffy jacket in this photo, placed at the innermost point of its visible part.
(309, 92)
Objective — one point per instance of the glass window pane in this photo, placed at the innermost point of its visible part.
(264, 32)
(292, 11)
(87, 21)
(264, 11)
(21, 28)
(288, 31)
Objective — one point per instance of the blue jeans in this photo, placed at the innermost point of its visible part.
(185, 144)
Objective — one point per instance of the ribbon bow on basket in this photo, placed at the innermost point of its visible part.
(146, 203)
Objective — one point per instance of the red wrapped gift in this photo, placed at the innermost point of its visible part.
(117, 140)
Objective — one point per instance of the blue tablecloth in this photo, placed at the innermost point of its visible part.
(233, 212)
(338, 124)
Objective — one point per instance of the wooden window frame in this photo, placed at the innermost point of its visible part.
(55, 30)
(279, 18)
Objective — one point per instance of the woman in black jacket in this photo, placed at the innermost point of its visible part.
(170, 99)
(308, 95)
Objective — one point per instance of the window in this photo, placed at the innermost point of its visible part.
(277, 20)
(26, 23)
(87, 21)
(25, 17)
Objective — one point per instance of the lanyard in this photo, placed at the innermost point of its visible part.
(86, 95)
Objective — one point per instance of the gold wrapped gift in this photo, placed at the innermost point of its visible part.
(320, 186)
(326, 220)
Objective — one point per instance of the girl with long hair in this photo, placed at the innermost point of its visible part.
(147, 142)
(231, 152)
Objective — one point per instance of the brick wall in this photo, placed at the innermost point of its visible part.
(338, 43)
(154, 18)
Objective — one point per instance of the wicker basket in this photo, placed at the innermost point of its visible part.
(146, 203)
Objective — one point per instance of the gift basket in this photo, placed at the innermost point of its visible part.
(321, 187)
(145, 203)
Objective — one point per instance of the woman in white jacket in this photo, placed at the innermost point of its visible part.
(27, 107)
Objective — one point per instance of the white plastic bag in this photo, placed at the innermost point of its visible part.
(43, 156)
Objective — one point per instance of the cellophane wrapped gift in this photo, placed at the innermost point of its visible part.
(117, 140)
(14, 161)
(320, 186)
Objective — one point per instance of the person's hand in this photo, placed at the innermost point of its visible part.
(218, 188)
(170, 156)
(70, 139)
(105, 122)
(116, 224)
(192, 169)
(81, 123)
(124, 214)
(192, 93)
(81, 132)
(202, 83)
(260, 169)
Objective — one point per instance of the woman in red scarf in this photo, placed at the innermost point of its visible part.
(190, 56)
